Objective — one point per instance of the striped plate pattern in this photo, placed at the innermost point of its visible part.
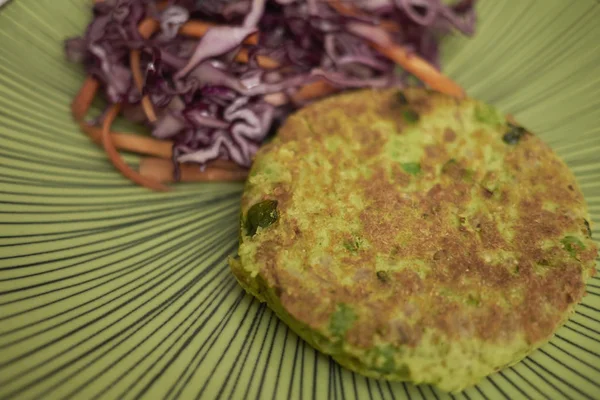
(109, 291)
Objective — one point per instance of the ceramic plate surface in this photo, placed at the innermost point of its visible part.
(110, 291)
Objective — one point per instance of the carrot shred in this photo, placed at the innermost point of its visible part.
(197, 29)
(83, 100)
(314, 90)
(351, 11)
(276, 99)
(307, 92)
(253, 39)
(192, 28)
(263, 61)
(131, 142)
(410, 62)
(421, 69)
(144, 145)
(155, 171)
(146, 28)
(123, 141)
(344, 9)
(116, 159)
(134, 61)
(389, 26)
(163, 171)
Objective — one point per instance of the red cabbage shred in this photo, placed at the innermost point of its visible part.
(213, 107)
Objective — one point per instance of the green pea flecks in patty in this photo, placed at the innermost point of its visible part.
(435, 247)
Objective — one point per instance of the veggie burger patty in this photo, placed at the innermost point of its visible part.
(413, 236)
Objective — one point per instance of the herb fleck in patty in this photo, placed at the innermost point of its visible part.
(414, 237)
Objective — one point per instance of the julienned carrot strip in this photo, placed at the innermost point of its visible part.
(116, 159)
(263, 61)
(136, 71)
(139, 144)
(131, 142)
(343, 9)
(197, 29)
(163, 171)
(351, 11)
(127, 141)
(410, 62)
(305, 93)
(314, 90)
(191, 28)
(146, 28)
(266, 62)
(144, 145)
(124, 141)
(252, 40)
(276, 99)
(83, 100)
(421, 69)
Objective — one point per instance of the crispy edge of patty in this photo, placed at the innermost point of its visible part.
(433, 371)
(354, 362)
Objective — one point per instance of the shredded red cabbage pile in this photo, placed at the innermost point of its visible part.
(212, 106)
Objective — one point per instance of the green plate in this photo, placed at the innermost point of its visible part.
(110, 291)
